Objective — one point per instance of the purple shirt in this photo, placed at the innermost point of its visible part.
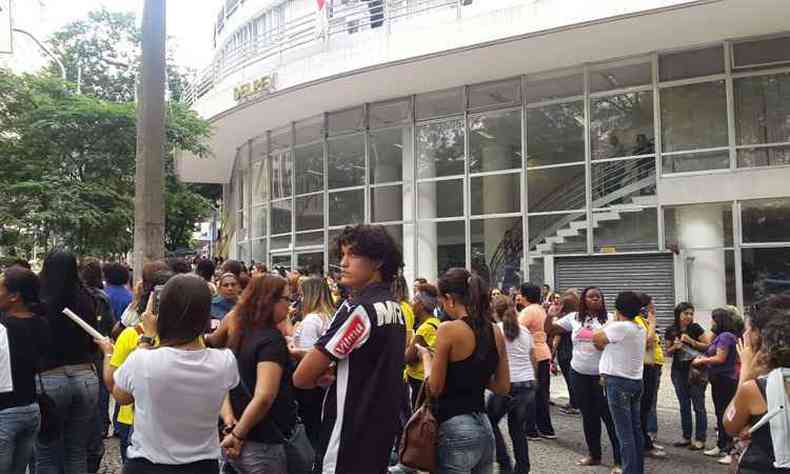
(725, 340)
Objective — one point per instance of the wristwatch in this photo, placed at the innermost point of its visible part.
(146, 340)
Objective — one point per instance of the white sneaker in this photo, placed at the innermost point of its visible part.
(715, 451)
(726, 460)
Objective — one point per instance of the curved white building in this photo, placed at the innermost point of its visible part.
(620, 143)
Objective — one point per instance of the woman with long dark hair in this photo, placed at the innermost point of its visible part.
(68, 375)
(585, 374)
(260, 414)
(720, 360)
(519, 404)
(469, 357)
(24, 336)
(177, 385)
(685, 340)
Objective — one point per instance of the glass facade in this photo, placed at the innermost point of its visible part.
(567, 161)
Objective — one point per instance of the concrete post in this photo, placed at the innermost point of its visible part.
(149, 207)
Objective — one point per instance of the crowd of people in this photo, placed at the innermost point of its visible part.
(219, 367)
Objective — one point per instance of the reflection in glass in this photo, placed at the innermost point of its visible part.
(536, 272)
(309, 130)
(688, 162)
(259, 221)
(696, 63)
(761, 51)
(259, 250)
(386, 204)
(558, 234)
(346, 161)
(388, 114)
(450, 245)
(388, 148)
(440, 103)
(281, 174)
(445, 199)
(698, 226)
(555, 134)
(309, 212)
(495, 93)
(309, 168)
(771, 156)
(622, 125)
(308, 239)
(625, 231)
(694, 116)
(440, 149)
(624, 182)
(766, 272)
(542, 89)
(556, 189)
(260, 183)
(766, 220)
(495, 141)
(762, 109)
(495, 194)
(619, 76)
(347, 207)
(346, 120)
(497, 249)
(281, 216)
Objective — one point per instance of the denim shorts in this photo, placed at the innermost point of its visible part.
(465, 445)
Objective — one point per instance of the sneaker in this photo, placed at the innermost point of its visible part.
(569, 410)
(534, 437)
(713, 452)
(696, 446)
(401, 469)
(548, 436)
(656, 453)
(616, 470)
(726, 460)
(682, 444)
(658, 446)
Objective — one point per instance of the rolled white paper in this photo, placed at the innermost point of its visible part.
(85, 326)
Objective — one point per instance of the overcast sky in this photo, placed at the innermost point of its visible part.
(189, 22)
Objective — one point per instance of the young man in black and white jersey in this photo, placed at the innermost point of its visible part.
(363, 350)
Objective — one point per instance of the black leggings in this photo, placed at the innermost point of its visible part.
(144, 466)
(594, 408)
(649, 388)
(723, 389)
(542, 422)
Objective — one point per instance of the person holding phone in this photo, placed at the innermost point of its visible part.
(177, 386)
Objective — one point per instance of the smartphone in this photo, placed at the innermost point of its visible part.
(157, 296)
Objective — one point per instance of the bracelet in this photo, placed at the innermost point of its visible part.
(233, 433)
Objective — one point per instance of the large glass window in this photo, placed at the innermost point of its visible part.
(450, 245)
(622, 125)
(440, 199)
(694, 116)
(346, 161)
(387, 204)
(688, 162)
(495, 93)
(557, 234)
(387, 153)
(555, 134)
(695, 63)
(497, 249)
(698, 226)
(309, 239)
(310, 130)
(624, 182)
(309, 212)
(347, 207)
(556, 189)
(440, 149)
(281, 216)
(259, 250)
(260, 182)
(346, 120)
(281, 174)
(309, 168)
(761, 52)
(495, 194)
(390, 113)
(625, 230)
(766, 220)
(762, 116)
(439, 103)
(551, 87)
(766, 272)
(619, 76)
(495, 141)
(259, 217)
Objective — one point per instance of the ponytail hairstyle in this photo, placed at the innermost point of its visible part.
(506, 312)
(25, 283)
(472, 291)
(602, 316)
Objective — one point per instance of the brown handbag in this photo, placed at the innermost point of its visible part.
(418, 444)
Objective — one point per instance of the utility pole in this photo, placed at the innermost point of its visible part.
(149, 206)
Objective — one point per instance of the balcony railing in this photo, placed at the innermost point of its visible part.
(338, 18)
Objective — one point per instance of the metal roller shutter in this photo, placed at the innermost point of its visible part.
(652, 274)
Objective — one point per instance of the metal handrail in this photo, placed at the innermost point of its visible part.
(308, 29)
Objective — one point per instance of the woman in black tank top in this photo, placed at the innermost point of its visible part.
(469, 357)
(763, 349)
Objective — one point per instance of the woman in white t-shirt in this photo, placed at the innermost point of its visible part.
(519, 404)
(317, 306)
(585, 376)
(622, 364)
(177, 387)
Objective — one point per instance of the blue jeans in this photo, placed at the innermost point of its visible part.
(465, 445)
(18, 430)
(519, 405)
(260, 457)
(624, 397)
(124, 438)
(689, 395)
(652, 418)
(75, 391)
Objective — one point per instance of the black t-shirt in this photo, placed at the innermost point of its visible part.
(27, 340)
(72, 345)
(682, 359)
(367, 339)
(265, 345)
